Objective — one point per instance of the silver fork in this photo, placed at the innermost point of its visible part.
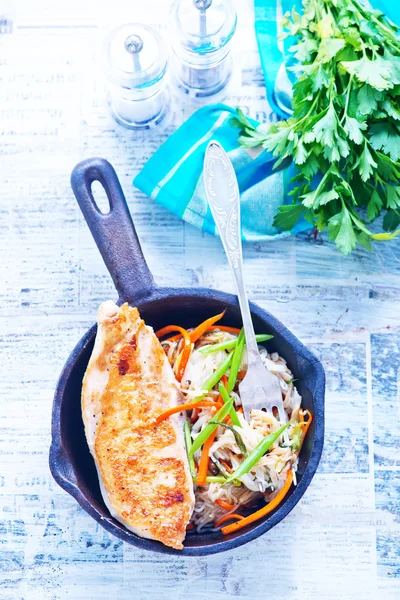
(259, 389)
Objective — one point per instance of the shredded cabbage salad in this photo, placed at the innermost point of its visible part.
(237, 465)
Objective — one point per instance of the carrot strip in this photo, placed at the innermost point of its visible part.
(173, 338)
(181, 407)
(176, 337)
(309, 415)
(169, 329)
(306, 426)
(203, 464)
(187, 348)
(184, 359)
(202, 328)
(225, 328)
(226, 517)
(225, 505)
(225, 465)
(265, 510)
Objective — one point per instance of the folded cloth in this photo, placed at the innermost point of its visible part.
(173, 176)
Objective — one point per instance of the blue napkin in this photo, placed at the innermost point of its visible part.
(173, 175)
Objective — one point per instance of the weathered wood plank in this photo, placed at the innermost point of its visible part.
(342, 540)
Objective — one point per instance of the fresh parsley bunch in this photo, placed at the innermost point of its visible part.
(344, 135)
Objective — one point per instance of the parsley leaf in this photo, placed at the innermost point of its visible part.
(366, 163)
(277, 138)
(374, 206)
(368, 98)
(311, 166)
(388, 169)
(391, 109)
(320, 79)
(341, 230)
(303, 50)
(300, 153)
(364, 240)
(354, 129)
(288, 216)
(393, 196)
(328, 48)
(375, 72)
(385, 136)
(391, 220)
(324, 129)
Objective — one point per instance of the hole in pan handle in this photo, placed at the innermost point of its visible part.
(113, 232)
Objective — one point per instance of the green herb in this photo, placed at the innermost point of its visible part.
(344, 135)
(238, 438)
(188, 441)
(236, 360)
(210, 427)
(231, 344)
(213, 479)
(259, 451)
(225, 397)
(215, 377)
(297, 437)
(221, 467)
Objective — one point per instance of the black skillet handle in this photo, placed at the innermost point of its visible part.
(113, 232)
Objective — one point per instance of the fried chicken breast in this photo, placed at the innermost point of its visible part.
(143, 469)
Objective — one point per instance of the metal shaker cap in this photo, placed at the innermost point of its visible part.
(136, 56)
(203, 26)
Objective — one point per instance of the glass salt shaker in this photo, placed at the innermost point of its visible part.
(283, 89)
(285, 78)
(136, 64)
(201, 34)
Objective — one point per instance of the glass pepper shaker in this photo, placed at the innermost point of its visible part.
(136, 64)
(201, 34)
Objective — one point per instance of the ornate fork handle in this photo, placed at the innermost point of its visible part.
(222, 193)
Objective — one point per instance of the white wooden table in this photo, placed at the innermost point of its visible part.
(343, 540)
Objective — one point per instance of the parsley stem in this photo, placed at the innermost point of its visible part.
(348, 92)
(321, 184)
(317, 11)
(310, 110)
(188, 440)
(389, 32)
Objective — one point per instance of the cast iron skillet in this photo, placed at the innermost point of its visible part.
(71, 464)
